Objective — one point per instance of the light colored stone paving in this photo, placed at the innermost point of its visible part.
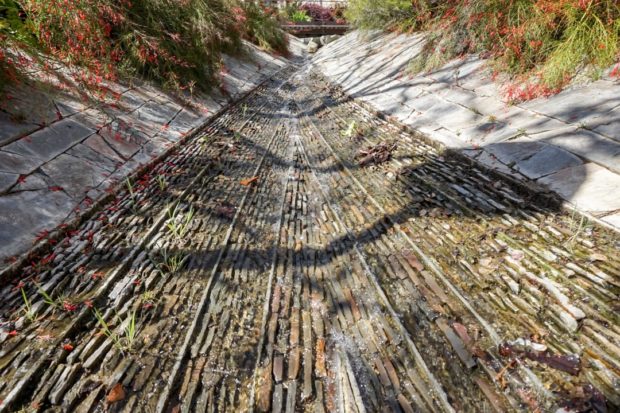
(569, 142)
(59, 150)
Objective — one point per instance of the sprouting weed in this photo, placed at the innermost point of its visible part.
(132, 194)
(130, 332)
(244, 109)
(349, 132)
(29, 313)
(237, 136)
(47, 299)
(161, 181)
(172, 263)
(105, 329)
(149, 297)
(576, 229)
(129, 186)
(177, 223)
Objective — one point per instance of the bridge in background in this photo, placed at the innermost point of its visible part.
(315, 29)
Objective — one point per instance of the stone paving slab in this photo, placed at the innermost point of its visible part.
(54, 139)
(27, 213)
(573, 136)
(589, 187)
(12, 130)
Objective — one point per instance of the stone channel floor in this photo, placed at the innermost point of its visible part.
(259, 267)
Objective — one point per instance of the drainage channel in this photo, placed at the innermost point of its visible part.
(487, 260)
(265, 266)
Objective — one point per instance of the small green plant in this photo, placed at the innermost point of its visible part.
(178, 224)
(47, 299)
(244, 109)
(260, 27)
(29, 313)
(130, 189)
(300, 16)
(149, 298)
(350, 131)
(171, 263)
(576, 228)
(130, 332)
(162, 183)
(105, 329)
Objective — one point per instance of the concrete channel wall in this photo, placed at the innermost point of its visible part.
(61, 154)
(569, 143)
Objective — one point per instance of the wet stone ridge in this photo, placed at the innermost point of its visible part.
(264, 265)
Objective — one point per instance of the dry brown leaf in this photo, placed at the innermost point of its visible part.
(249, 181)
(412, 260)
(116, 394)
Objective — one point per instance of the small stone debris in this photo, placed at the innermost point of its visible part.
(375, 155)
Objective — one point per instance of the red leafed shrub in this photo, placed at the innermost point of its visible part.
(319, 13)
(175, 42)
(545, 42)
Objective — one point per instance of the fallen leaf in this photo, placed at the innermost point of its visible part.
(412, 260)
(116, 394)
(249, 181)
(67, 347)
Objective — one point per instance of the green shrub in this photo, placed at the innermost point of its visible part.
(13, 32)
(176, 43)
(260, 27)
(300, 16)
(380, 14)
(540, 43)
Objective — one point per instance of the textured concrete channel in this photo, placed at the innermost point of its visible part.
(260, 267)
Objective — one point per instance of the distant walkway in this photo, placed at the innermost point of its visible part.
(569, 143)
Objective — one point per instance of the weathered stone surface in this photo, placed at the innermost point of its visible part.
(608, 125)
(86, 153)
(98, 144)
(19, 164)
(75, 175)
(514, 151)
(589, 187)
(613, 220)
(579, 104)
(492, 162)
(126, 142)
(586, 144)
(48, 143)
(7, 180)
(24, 214)
(548, 160)
(462, 99)
(11, 130)
(313, 46)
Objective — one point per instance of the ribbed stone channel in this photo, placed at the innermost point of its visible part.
(260, 267)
